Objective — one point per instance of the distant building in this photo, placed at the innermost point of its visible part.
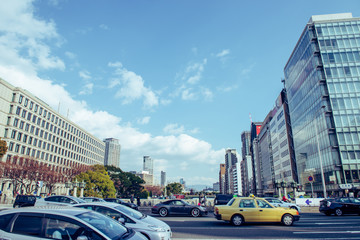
(255, 160)
(216, 187)
(148, 165)
(246, 164)
(112, 152)
(163, 179)
(147, 177)
(230, 162)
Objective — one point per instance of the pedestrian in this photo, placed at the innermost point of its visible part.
(138, 201)
(284, 198)
(132, 198)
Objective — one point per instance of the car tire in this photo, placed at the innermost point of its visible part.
(195, 212)
(237, 220)
(163, 212)
(287, 220)
(338, 212)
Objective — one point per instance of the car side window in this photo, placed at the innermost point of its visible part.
(27, 225)
(355, 200)
(247, 203)
(5, 220)
(62, 229)
(262, 204)
(52, 199)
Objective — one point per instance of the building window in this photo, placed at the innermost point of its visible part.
(24, 113)
(33, 153)
(40, 110)
(17, 146)
(6, 132)
(36, 107)
(32, 129)
(35, 141)
(29, 116)
(31, 105)
(25, 138)
(26, 102)
(18, 110)
(30, 140)
(21, 126)
(16, 122)
(11, 146)
(11, 108)
(27, 127)
(19, 136)
(23, 150)
(21, 98)
(13, 134)
(45, 112)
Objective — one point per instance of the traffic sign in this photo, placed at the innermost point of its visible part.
(311, 178)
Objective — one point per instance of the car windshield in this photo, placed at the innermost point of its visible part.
(130, 212)
(104, 224)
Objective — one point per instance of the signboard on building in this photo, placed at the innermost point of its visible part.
(346, 186)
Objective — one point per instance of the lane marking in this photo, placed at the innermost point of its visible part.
(328, 232)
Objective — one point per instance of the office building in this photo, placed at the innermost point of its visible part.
(255, 160)
(322, 80)
(147, 177)
(112, 152)
(230, 161)
(148, 165)
(246, 165)
(32, 129)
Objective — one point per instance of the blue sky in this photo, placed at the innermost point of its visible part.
(175, 80)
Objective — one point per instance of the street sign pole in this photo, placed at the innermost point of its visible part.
(312, 190)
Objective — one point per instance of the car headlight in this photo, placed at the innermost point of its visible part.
(157, 228)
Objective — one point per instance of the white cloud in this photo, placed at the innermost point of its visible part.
(144, 120)
(174, 128)
(87, 89)
(131, 86)
(207, 94)
(223, 53)
(84, 75)
(104, 27)
(70, 55)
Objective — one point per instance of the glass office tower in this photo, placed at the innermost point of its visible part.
(322, 78)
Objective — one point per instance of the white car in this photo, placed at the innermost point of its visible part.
(278, 203)
(55, 222)
(150, 227)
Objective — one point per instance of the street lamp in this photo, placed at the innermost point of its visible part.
(293, 185)
(82, 186)
(75, 185)
(68, 185)
(278, 186)
(320, 157)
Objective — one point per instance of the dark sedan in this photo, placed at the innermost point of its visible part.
(340, 206)
(122, 202)
(178, 207)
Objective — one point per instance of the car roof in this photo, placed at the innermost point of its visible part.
(48, 209)
(107, 204)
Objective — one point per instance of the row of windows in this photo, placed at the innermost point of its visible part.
(341, 57)
(346, 120)
(345, 103)
(349, 138)
(352, 155)
(338, 28)
(339, 43)
(33, 152)
(352, 176)
(54, 119)
(335, 72)
(21, 137)
(346, 86)
(52, 128)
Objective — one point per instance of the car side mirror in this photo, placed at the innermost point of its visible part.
(121, 220)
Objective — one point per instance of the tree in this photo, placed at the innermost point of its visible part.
(154, 190)
(126, 184)
(174, 188)
(3, 148)
(98, 182)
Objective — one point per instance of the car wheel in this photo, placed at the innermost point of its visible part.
(163, 212)
(338, 212)
(237, 220)
(195, 212)
(287, 220)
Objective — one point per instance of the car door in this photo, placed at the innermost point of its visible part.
(346, 206)
(266, 212)
(248, 210)
(176, 207)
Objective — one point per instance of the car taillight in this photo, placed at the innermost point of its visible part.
(328, 204)
(216, 210)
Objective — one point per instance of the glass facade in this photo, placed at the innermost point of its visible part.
(323, 86)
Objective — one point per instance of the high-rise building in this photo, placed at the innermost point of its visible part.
(322, 80)
(163, 179)
(112, 152)
(222, 178)
(230, 161)
(255, 160)
(246, 165)
(148, 165)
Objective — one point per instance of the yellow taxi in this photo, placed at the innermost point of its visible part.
(253, 209)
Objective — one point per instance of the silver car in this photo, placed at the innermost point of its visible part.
(54, 222)
(150, 227)
(278, 203)
(58, 200)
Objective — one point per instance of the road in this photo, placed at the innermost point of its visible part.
(310, 226)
